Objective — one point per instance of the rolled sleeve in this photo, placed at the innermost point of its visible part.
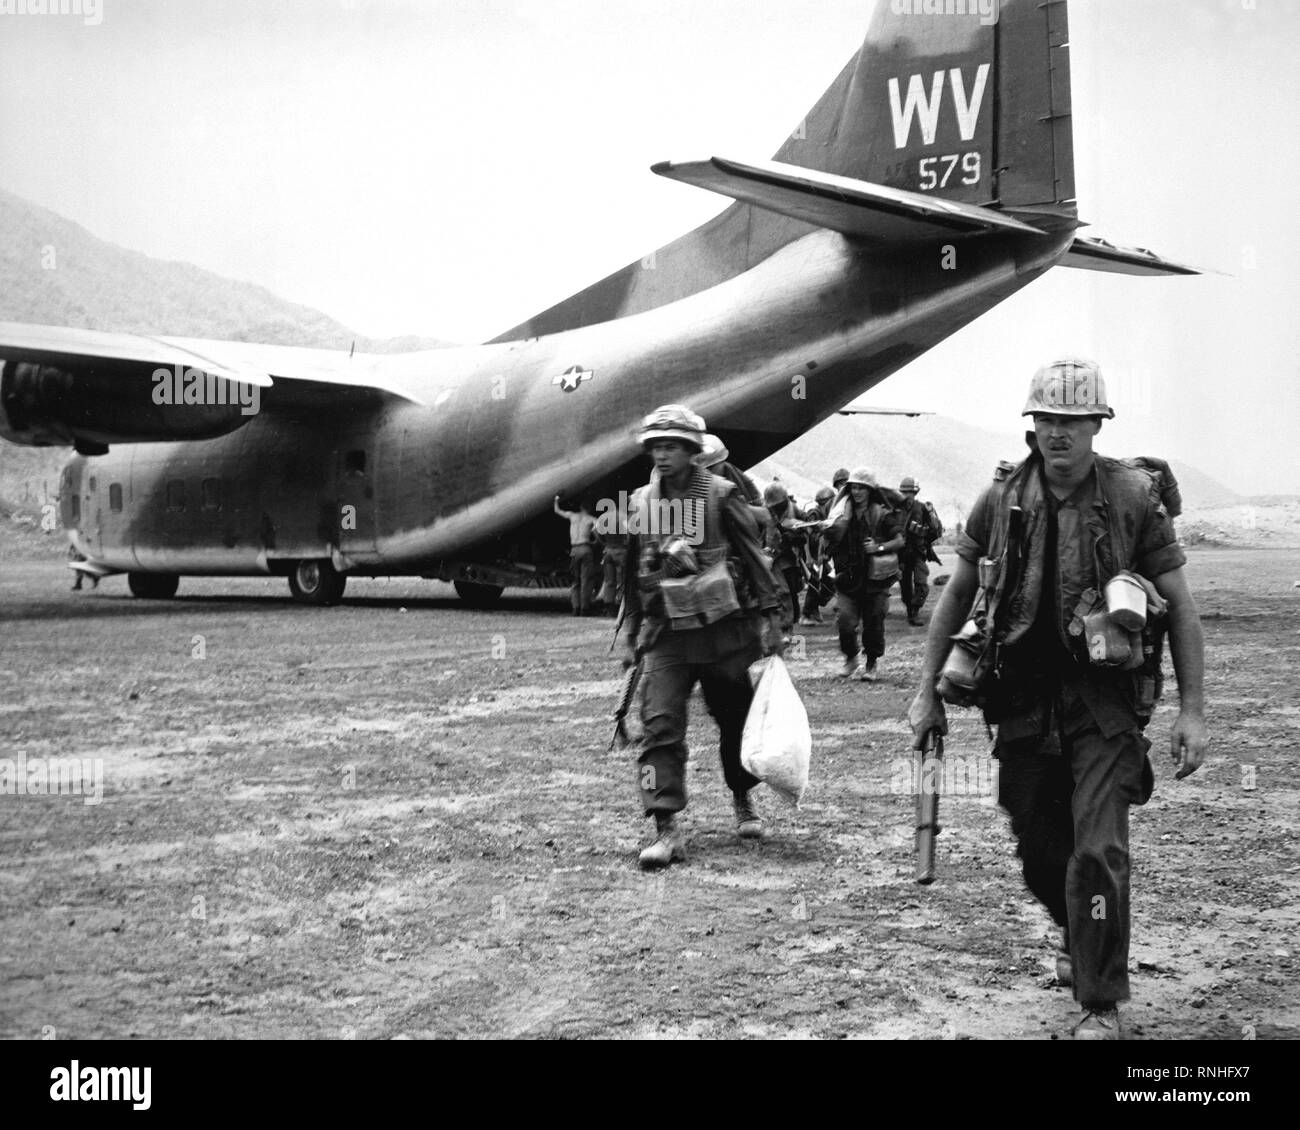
(974, 540)
(1158, 550)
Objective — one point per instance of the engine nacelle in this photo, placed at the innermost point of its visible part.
(123, 402)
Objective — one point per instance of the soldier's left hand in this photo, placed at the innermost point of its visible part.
(774, 635)
(1188, 741)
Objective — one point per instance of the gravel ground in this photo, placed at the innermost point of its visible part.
(399, 818)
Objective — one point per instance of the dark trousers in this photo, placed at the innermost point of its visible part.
(915, 582)
(718, 658)
(611, 589)
(1068, 796)
(582, 570)
(866, 609)
(793, 577)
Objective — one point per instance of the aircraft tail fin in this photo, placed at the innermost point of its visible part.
(966, 101)
(970, 102)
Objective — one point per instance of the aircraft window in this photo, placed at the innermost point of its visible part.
(76, 508)
(115, 496)
(176, 494)
(211, 494)
(356, 462)
(92, 484)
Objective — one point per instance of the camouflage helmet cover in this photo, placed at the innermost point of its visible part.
(714, 452)
(673, 421)
(774, 494)
(1072, 387)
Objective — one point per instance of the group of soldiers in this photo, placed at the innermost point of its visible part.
(817, 551)
(717, 586)
(851, 545)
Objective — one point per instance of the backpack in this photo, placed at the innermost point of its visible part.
(934, 528)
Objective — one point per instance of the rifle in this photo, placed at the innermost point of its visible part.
(930, 758)
(630, 681)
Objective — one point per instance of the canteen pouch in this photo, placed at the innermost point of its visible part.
(700, 598)
(882, 566)
(969, 666)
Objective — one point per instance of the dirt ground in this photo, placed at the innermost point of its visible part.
(399, 818)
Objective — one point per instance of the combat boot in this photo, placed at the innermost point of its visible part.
(669, 845)
(1099, 1024)
(749, 825)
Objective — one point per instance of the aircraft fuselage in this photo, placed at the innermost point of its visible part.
(399, 488)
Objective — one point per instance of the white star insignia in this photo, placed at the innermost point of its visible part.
(572, 377)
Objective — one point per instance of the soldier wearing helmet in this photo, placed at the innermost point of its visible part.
(698, 590)
(1041, 547)
(864, 537)
(921, 529)
(784, 539)
(814, 596)
(717, 459)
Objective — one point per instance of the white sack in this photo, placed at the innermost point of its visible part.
(777, 744)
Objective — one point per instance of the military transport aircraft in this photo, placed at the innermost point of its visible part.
(934, 178)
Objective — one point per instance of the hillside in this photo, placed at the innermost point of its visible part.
(951, 460)
(54, 272)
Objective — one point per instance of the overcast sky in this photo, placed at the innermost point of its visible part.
(448, 168)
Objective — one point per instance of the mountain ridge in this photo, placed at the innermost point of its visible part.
(53, 271)
(952, 460)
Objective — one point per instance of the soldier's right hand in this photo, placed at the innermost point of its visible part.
(925, 714)
(629, 654)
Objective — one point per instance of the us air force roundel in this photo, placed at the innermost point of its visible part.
(572, 377)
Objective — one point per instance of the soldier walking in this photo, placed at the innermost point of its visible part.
(698, 590)
(1041, 546)
(864, 538)
(921, 529)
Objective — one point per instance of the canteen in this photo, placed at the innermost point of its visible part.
(1126, 601)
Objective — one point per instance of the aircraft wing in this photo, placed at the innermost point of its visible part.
(90, 388)
(852, 207)
(54, 344)
(239, 361)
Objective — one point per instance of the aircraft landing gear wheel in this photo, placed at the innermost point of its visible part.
(153, 586)
(316, 582)
(477, 595)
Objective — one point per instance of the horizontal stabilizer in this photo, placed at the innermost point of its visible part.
(1096, 254)
(852, 207)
